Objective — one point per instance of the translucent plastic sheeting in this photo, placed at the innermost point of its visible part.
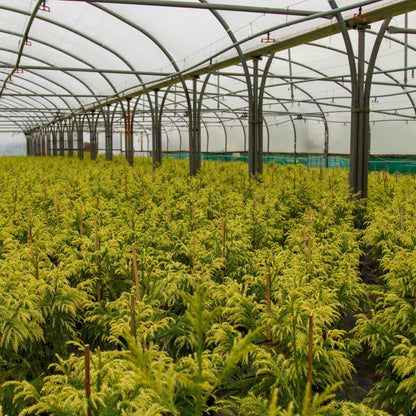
(12, 144)
(82, 55)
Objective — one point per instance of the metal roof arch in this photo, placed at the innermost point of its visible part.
(30, 110)
(88, 38)
(59, 96)
(376, 67)
(55, 47)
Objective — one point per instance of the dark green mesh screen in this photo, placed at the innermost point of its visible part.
(377, 163)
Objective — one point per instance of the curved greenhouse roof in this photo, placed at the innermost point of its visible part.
(62, 59)
(67, 57)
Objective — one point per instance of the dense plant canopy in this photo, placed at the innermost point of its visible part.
(166, 278)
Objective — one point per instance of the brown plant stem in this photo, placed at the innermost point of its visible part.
(135, 274)
(57, 208)
(96, 259)
(87, 382)
(269, 328)
(80, 219)
(310, 357)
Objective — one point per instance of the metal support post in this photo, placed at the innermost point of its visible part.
(362, 149)
(70, 135)
(194, 137)
(33, 143)
(225, 141)
(326, 144)
(93, 137)
(43, 142)
(251, 139)
(255, 142)
(93, 143)
(55, 140)
(38, 143)
(356, 167)
(80, 137)
(28, 144)
(295, 142)
(197, 127)
(48, 142)
(258, 126)
(353, 178)
(360, 101)
(255, 113)
(156, 134)
(191, 133)
(128, 135)
(108, 136)
(61, 140)
(366, 100)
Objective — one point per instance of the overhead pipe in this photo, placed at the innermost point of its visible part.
(396, 30)
(207, 6)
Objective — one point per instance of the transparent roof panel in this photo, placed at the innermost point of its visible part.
(9, 43)
(187, 35)
(79, 55)
(16, 22)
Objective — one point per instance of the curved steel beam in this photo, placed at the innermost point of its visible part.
(208, 6)
(28, 114)
(15, 122)
(196, 69)
(376, 67)
(354, 95)
(280, 103)
(49, 80)
(29, 119)
(164, 51)
(22, 45)
(165, 99)
(214, 112)
(86, 37)
(57, 48)
(72, 56)
(367, 91)
(20, 99)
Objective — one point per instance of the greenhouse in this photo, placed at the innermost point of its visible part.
(211, 210)
(196, 79)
